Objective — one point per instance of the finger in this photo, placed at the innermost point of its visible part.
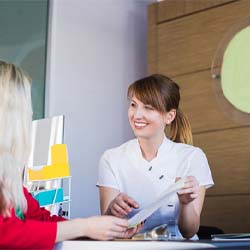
(131, 202)
(194, 196)
(128, 200)
(177, 178)
(121, 222)
(190, 184)
(117, 214)
(139, 227)
(113, 234)
(123, 201)
(119, 210)
(118, 228)
(125, 234)
(120, 235)
(188, 191)
(125, 206)
(191, 179)
(130, 232)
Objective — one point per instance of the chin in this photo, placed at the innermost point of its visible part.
(141, 135)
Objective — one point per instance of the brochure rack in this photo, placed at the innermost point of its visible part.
(47, 195)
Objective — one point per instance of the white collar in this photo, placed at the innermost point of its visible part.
(165, 146)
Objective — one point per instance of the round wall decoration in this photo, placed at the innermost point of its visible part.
(231, 72)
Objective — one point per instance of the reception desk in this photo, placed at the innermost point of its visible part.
(150, 245)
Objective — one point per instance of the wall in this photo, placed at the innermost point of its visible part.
(23, 42)
(183, 38)
(95, 49)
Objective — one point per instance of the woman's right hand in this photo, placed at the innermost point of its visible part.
(106, 228)
(122, 205)
(96, 227)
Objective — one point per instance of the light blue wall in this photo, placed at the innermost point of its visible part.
(95, 50)
(23, 26)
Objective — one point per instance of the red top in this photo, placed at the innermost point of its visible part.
(36, 231)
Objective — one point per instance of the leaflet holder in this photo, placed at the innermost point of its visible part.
(47, 172)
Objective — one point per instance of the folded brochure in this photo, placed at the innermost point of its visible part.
(151, 208)
(235, 236)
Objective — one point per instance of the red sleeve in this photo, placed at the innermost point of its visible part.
(36, 231)
(26, 234)
(35, 212)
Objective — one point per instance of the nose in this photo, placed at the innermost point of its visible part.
(138, 113)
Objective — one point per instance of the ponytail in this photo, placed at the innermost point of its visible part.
(180, 129)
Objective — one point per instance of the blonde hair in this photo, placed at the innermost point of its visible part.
(163, 94)
(15, 125)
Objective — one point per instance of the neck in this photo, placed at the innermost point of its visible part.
(149, 147)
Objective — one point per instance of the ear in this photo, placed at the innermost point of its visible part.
(170, 116)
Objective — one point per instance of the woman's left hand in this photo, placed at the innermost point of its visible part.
(190, 191)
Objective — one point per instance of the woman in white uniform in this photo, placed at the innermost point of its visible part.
(134, 174)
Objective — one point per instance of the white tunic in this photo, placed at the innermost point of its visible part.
(125, 169)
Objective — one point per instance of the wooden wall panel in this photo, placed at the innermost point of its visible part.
(168, 10)
(152, 38)
(183, 37)
(230, 213)
(188, 44)
(229, 158)
(199, 102)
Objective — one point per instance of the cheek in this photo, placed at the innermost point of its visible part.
(160, 121)
(130, 114)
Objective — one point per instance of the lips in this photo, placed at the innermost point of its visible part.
(140, 125)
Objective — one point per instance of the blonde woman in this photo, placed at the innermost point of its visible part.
(134, 174)
(23, 224)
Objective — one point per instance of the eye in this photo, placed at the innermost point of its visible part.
(149, 107)
(132, 104)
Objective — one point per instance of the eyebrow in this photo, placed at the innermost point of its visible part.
(132, 100)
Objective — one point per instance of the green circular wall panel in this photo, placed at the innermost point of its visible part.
(235, 71)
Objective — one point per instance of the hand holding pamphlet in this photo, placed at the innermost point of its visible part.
(151, 208)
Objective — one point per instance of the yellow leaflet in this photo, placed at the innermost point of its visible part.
(59, 167)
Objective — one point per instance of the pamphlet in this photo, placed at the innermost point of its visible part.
(236, 236)
(151, 208)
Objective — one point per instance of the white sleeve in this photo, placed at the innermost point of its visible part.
(199, 168)
(106, 174)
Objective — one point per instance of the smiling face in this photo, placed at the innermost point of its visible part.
(153, 104)
(146, 121)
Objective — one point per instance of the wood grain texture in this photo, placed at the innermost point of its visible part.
(229, 159)
(152, 36)
(183, 48)
(172, 9)
(188, 44)
(203, 107)
(230, 213)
